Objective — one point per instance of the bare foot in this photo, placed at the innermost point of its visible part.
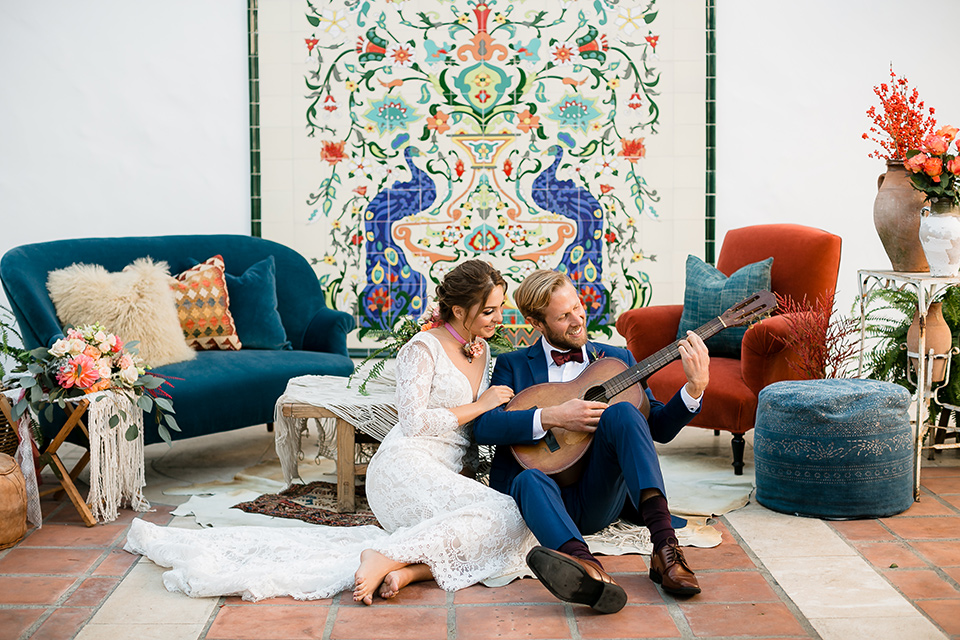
(398, 579)
(374, 566)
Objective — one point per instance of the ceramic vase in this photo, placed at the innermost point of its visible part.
(896, 216)
(937, 338)
(940, 237)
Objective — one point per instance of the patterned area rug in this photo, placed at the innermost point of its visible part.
(315, 502)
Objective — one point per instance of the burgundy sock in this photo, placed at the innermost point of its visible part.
(579, 549)
(656, 515)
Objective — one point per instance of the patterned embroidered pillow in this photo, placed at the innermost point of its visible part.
(203, 306)
(709, 293)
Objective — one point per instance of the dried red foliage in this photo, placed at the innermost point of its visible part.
(823, 346)
(902, 124)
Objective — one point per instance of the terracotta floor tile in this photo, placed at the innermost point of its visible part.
(954, 500)
(945, 613)
(884, 554)
(953, 572)
(13, 622)
(92, 592)
(941, 486)
(928, 505)
(918, 584)
(63, 623)
(933, 528)
(942, 554)
(767, 618)
(65, 535)
(861, 530)
(160, 516)
(734, 586)
(633, 621)
(523, 591)
(33, 590)
(283, 600)
(269, 622)
(640, 589)
(116, 563)
(719, 557)
(49, 561)
(624, 564)
(510, 623)
(422, 594)
(938, 472)
(393, 623)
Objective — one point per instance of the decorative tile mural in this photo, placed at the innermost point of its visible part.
(401, 137)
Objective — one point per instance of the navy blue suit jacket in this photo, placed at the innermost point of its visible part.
(526, 367)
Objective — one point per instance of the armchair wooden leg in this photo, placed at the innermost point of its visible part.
(716, 432)
(738, 444)
(269, 427)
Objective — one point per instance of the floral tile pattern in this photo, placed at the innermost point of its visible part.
(433, 131)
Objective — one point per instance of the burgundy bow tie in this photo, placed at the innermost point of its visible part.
(562, 357)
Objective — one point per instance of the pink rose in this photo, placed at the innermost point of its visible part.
(947, 132)
(126, 361)
(914, 164)
(935, 144)
(933, 167)
(954, 166)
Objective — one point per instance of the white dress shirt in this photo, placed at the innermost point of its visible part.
(571, 369)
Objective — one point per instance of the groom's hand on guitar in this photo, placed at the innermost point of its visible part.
(696, 363)
(573, 415)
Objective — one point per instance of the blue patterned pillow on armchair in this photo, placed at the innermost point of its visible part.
(709, 293)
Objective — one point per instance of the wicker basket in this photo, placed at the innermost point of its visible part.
(8, 435)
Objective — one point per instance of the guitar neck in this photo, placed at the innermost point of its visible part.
(648, 366)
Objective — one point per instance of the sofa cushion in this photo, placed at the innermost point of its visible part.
(253, 304)
(203, 305)
(135, 304)
(709, 293)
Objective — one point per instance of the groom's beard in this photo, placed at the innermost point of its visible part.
(564, 341)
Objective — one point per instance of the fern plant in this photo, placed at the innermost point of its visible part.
(10, 344)
(888, 318)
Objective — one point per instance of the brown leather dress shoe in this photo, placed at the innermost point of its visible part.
(669, 569)
(575, 580)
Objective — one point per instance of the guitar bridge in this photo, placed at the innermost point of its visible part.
(551, 441)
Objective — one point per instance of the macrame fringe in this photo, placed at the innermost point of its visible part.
(116, 464)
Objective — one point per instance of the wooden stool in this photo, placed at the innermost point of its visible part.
(347, 438)
(49, 456)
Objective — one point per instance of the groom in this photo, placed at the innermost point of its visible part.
(622, 472)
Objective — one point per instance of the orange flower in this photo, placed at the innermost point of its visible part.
(439, 122)
(333, 152)
(935, 144)
(632, 150)
(605, 188)
(948, 132)
(527, 121)
(954, 166)
(933, 167)
(914, 164)
(80, 371)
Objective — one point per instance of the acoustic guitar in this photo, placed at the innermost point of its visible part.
(560, 452)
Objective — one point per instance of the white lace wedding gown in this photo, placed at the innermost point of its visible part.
(464, 531)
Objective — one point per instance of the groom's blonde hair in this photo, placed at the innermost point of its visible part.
(534, 293)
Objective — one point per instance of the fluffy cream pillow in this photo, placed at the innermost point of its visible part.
(135, 304)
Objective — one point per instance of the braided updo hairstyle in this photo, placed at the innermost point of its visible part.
(468, 285)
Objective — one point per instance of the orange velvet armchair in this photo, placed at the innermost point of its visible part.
(805, 264)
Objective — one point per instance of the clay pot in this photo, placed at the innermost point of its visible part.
(940, 237)
(937, 337)
(896, 215)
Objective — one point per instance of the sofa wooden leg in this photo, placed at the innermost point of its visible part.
(737, 444)
(269, 427)
(716, 432)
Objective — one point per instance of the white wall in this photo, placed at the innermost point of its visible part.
(122, 117)
(794, 80)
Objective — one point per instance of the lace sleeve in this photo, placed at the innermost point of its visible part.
(416, 368)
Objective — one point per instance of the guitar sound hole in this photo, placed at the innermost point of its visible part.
(596, 394)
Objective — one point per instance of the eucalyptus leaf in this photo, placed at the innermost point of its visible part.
(164, 404)
(145, 403)
(132, 432)
(170, 420)
(114, 421)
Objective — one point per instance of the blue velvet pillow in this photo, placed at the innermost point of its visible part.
(709, 293)
(253, 303)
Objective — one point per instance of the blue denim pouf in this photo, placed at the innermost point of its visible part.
(836, 449)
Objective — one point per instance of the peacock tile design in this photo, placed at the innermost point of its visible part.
(516, 132)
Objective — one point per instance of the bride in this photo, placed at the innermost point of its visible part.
(436, 522)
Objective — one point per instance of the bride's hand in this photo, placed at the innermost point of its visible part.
(494, 397)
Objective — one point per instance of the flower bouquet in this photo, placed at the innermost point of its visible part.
(933, 170)
(90, 359)
(902, 122)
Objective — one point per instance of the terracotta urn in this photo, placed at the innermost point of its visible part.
(940, 237)
(937, 339)
(896, 215)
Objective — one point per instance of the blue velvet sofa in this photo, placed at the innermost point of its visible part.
(219, 390)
